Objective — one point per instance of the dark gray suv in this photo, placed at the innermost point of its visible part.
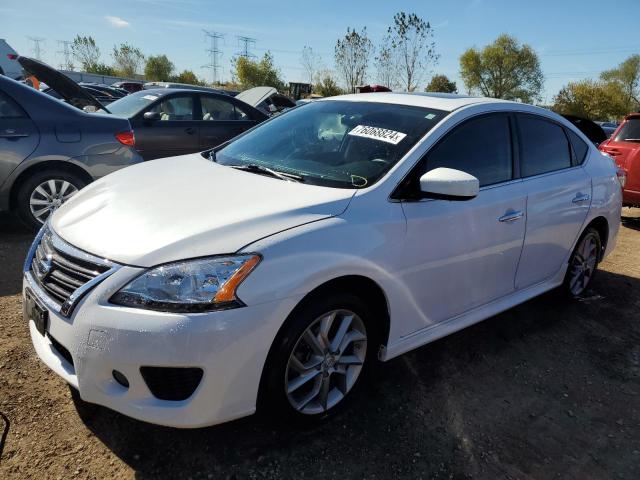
(49, 150)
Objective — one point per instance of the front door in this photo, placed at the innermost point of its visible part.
(463, 254)
(18, 136)
(176, 132)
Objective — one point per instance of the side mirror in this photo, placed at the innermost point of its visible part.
(151, 116)
(449, 184)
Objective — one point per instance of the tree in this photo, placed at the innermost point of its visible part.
(85, 51)
(101, 69)
(352, 57)
(310, 61)
(627, 76)
(326, 85)
(413, 47)
(158, 68)
(254, 73)
(128, 59)
(441, 83)
(187, 76)
(503, 69)
(597, 100)
(386, 67)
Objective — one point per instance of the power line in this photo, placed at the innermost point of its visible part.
(66, 54)
(214, 54)
(245, 44)
(37, 49)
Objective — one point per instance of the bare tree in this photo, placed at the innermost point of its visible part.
(352, 55)
(128, 59)
(85, 51)
(386, 65)
(310, 61)
(412, 42)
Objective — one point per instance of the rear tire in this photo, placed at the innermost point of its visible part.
(583, 263)
(42, 193)
(319, 358)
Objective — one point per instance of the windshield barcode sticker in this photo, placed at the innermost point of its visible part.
(377, 133)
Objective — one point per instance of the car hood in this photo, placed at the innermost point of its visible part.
(185, 207)
(69, 90)
(255, 96)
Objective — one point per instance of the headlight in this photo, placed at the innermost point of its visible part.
(192, 286)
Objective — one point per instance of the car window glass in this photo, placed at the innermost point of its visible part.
(219, 109)
(630, 131)
(9, 109)
(543, 146)
(580, 148)
(481, 147)
(175, 108)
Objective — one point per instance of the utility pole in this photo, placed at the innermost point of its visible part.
(37, 49)
(214, 54)
(245, 44)
(66, 54)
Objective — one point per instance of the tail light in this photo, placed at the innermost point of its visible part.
(12, 56)
(126, 138)
(622, 177)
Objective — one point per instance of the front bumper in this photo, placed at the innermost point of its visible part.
(230, 347)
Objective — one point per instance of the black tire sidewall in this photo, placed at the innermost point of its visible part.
(273, 398)
(567, 278)
(24, 193)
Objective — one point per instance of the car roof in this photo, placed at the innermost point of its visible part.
(438, 101)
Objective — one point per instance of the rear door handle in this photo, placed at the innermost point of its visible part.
(11, 133)
(511, 216)
(190, 130)
(581, 197)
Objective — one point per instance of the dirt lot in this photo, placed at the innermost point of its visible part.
(550, 389)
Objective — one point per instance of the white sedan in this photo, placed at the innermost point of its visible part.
(274, 271)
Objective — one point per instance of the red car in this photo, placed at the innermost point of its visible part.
(624, 147)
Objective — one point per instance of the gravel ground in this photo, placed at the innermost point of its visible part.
(550, 389)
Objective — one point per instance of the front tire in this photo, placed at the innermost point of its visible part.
(44, 192)
(583, 263)
(320, 357)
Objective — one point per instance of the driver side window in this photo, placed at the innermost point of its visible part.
(480, 146)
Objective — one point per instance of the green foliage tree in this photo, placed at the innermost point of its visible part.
(128, 60)
(441, 83)
(86, 52)
(413, 46)
(503, 69)
(352, 57)
(627, 76)
(102, 69)
(596, 100)
(187, 76)
(158, 68)
(254, 73)
(326, 84)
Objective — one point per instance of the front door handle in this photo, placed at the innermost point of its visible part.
(190, 130)
(511, 216)
(581, 198)
(11, 133)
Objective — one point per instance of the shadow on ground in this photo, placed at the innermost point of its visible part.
(14, 244)
(549, 388)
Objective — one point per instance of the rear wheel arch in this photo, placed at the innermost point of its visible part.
(601, 225)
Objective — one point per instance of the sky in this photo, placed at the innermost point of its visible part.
(575, 39)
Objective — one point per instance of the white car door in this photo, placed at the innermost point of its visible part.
(558, 198)
(462, 254)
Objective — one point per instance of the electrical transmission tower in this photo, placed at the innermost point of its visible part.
(245, 44)
(66, 64)
(214, 54)
(37, 49)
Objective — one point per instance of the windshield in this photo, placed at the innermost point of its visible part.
(630, 131)
(334, 143)
(131, 104)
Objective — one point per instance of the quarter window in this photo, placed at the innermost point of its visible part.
(175, 108)
(543, 146)
(480, 146)
(9, 109)
(580, 148)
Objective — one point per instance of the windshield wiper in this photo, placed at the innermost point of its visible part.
(261, 169)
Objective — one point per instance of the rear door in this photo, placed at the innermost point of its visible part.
(175, 133)
(558, 198)
(19, 136)
(625, 149)
(222, 119)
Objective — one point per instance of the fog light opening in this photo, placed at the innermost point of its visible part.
(120, 378)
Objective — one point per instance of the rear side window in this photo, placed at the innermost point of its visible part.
(9, 108)
(630, 131)
(219, 109)
(480, 146)
(543, 146)
(580, 148)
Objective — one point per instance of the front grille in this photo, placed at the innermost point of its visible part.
(59, 272)
(171, 383)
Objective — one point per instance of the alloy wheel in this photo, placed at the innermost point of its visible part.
(48, 196)
(583, 265)
(326, 362)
